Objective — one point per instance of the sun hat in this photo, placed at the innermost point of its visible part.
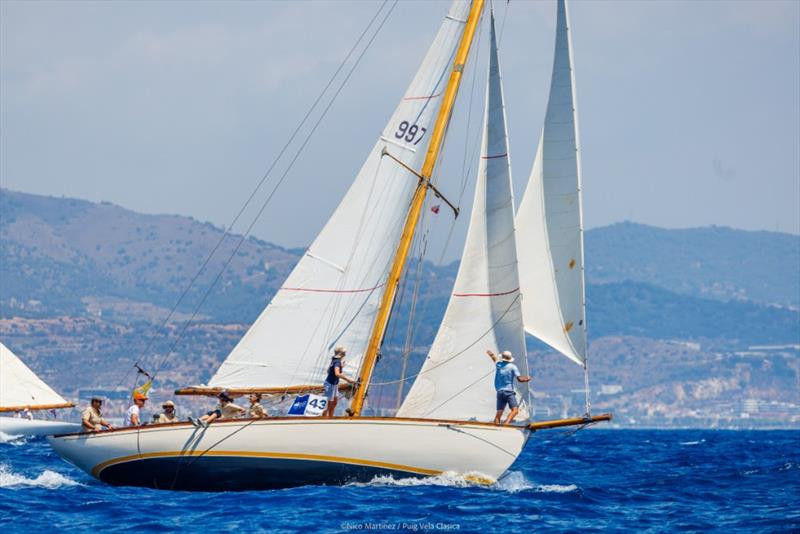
(168, 403)
(339, 352)
(139, 396)
(506, 355)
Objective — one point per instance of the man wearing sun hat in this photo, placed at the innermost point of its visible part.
(332, 381)
(505, 373)
(168, 415)
(92, 418)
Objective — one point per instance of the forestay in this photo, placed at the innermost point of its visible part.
(457, 378)
(332, 295)
(21, 388)
(549, 221)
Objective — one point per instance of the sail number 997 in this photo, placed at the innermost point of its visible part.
(410, 132)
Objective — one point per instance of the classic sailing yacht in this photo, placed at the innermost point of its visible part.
(341, 293)
(22, 391)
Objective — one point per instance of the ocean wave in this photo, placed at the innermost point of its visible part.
(12, 439)
(693, 442)
(47, 479)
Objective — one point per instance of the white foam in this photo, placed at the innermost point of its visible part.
(556, 488)
(11, 439)
(445, 479)
(47, 479)
(513, 482)
(692, 442)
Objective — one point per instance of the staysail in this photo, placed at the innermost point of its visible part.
(456, 379)
(332, 295)
(21, 389)
(550, 221)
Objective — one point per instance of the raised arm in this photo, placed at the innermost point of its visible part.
(491, 355)
(524, 378)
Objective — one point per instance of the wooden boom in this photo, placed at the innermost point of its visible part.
(556, 423)
(236, 392)
(34, 408)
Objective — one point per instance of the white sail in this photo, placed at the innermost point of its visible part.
(457, 378)
(549, 220)
(21, 388)
(332, 295)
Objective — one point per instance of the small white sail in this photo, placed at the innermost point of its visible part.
(21, 388)
(457, 378)
(549, 220)
(332, 295)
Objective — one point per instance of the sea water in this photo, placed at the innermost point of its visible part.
(618, 480)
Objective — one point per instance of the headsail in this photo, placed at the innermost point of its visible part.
(456, 380)
(20, 388)
(550, 221)
(332, 295)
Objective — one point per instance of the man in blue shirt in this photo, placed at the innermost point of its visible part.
(505, 373)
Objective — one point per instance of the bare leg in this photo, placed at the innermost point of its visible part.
(331, 407)
(498, 416)
(512, 415)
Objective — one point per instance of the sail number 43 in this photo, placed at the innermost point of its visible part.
(410, 132)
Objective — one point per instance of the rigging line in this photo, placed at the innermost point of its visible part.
(465, 349)
(410, 327)
(262, 181)
(278, 184)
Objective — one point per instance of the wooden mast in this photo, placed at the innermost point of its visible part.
(443, 117)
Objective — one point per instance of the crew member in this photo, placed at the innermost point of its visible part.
(505, 373)
(226, 409)
(256, 411)
(332, 381)
(133, 415)
(168, 415)
(92, 419)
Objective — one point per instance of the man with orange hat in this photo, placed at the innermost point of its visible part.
(132, 417)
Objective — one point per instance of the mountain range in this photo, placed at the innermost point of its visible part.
(93, 281)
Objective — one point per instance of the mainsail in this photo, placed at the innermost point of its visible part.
(456, 379)
(550, 221)
(332, 295)
(20, 388)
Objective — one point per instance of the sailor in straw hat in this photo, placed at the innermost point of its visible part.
(505, 373)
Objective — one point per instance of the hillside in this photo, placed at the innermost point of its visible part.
(716, 262)
(86, 284)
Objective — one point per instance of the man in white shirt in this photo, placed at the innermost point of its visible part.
(132, 416)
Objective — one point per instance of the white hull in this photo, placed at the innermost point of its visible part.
(286, 452)
(18, 426)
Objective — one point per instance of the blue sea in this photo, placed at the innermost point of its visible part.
(619, 480)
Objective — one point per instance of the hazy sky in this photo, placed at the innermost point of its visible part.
(689, 111)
